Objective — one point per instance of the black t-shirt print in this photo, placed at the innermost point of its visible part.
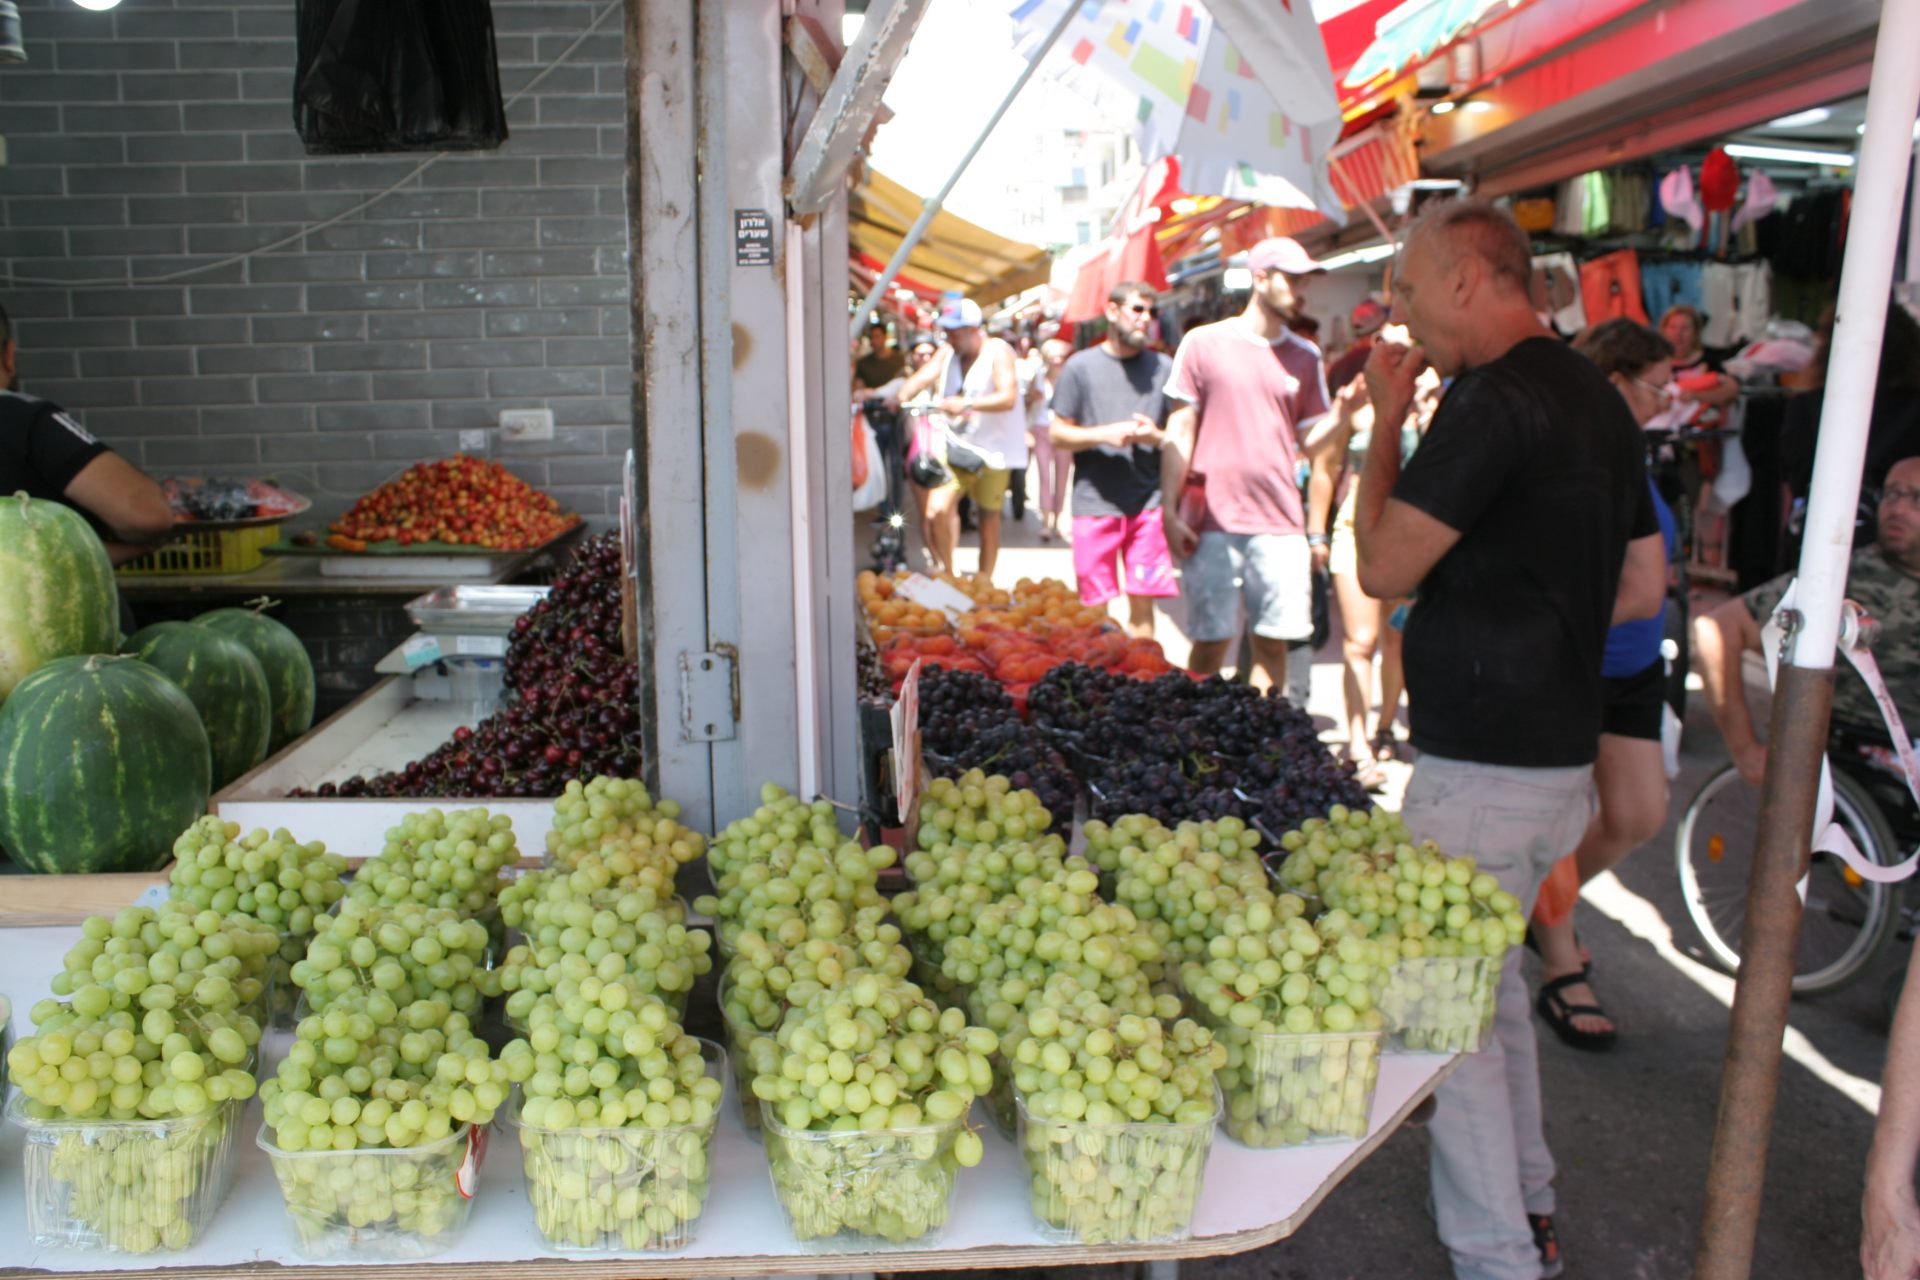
(1537, 461)
(42, 449)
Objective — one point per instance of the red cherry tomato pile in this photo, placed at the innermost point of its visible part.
(460, 500)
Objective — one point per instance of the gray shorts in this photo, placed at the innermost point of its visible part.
(1270, 574)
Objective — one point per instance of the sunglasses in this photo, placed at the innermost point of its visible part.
(1141, 308)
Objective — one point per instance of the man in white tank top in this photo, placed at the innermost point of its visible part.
(974, 384)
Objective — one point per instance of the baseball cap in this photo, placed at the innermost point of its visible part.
(1281, 254)
(1367, 316)
(961, 313)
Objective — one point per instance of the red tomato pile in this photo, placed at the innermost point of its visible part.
(460, 500)
(1019, 656)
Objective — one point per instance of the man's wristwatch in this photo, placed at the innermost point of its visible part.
(1319, 540)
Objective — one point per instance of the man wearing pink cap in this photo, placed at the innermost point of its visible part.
(1249, 389)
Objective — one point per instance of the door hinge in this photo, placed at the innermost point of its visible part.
(709, 696)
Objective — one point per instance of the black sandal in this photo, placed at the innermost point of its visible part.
(1558, 1014)
(1386, 746)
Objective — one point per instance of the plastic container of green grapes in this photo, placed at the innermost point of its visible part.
(381, 1204)
(892, 1186)
(125, 1186)
(1441, 1004)
(624, 1190)
(1288, 1090)
(1130, 1183)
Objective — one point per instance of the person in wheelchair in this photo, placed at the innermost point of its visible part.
(1884, 579)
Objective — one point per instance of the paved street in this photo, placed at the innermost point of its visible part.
(1632, 1128)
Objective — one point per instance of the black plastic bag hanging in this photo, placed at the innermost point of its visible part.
(397, 75)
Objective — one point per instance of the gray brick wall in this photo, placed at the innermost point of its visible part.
(157, 137)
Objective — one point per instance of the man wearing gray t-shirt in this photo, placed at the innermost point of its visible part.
(1109, 411)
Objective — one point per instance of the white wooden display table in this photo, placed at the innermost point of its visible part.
(1250, 1199)
(383, 729)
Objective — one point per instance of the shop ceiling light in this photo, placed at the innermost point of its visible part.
(1479, 104)
(1801, 119)
(1442, 108)
(1790, 155)
(97, 4)
(1357, 257)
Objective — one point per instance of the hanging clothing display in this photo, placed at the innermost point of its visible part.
(1596, 214)
(1670, 284)
(1677, 200)
(1632, 201)
(1556, 291)
(1610, 287)
(1571, 207)
(1719, 305)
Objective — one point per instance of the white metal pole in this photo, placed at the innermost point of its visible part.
(1866, 283)
(933, 202)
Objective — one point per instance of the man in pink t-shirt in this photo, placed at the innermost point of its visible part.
(1229, 471)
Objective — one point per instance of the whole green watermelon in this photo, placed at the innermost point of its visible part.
(57, 596)
(225, 683)
(103, 764)
(284, 659)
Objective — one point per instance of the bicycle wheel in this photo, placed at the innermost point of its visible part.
(1846, 920)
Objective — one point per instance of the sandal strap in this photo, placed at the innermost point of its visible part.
(1553, 986)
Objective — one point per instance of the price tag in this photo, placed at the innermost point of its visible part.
(907, 765)
(934, 594)
(420, 651)
(466, 1179)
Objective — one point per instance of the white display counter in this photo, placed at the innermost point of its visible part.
(1250, 1198)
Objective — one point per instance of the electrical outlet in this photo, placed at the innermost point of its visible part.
(473, 441)
(526, 424)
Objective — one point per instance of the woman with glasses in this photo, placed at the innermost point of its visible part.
(1629, 774)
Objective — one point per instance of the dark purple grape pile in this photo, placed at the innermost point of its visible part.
(967, 721)
(1177, 748)
(1069, 697)
(573, 711)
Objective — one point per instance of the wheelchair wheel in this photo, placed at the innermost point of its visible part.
(1847, 920)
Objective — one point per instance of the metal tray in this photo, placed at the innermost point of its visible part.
(473, 611)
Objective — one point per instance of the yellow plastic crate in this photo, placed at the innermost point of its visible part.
(206, 551)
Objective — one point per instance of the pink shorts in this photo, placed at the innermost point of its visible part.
(1101, 544)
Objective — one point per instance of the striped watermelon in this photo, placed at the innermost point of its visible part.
(57, 596)
(103, 763)
(223, 680)
(282, 657)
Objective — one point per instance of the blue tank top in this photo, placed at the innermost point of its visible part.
(1634, 646)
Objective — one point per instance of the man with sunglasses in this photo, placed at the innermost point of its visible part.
(1250, 390)
(1884, 579)
(1109, 406)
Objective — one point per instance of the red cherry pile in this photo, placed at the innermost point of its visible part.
(459, 500)
(575, 710)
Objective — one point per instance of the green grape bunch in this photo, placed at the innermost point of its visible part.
(781, 819)
(765, 978)
(783, 860)
(1298, 1007)
(271, 878)
(407, 953)
(866, 1090)
(576, 926)
(619, 817)
(439, 859)
(129, 1188)
(1117, 1119)
(1179, 881)
(980, 809)
(617, 1120)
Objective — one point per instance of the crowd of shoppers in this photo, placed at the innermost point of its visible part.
(1463, 472)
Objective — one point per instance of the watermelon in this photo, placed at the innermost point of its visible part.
(225, 683)
(57, 596)
(103, 764)
(283, 658)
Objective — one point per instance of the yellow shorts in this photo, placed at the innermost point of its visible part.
(987, 486)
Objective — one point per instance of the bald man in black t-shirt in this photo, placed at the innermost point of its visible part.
(45, 453)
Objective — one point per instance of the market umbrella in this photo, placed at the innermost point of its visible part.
(1250, 110)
